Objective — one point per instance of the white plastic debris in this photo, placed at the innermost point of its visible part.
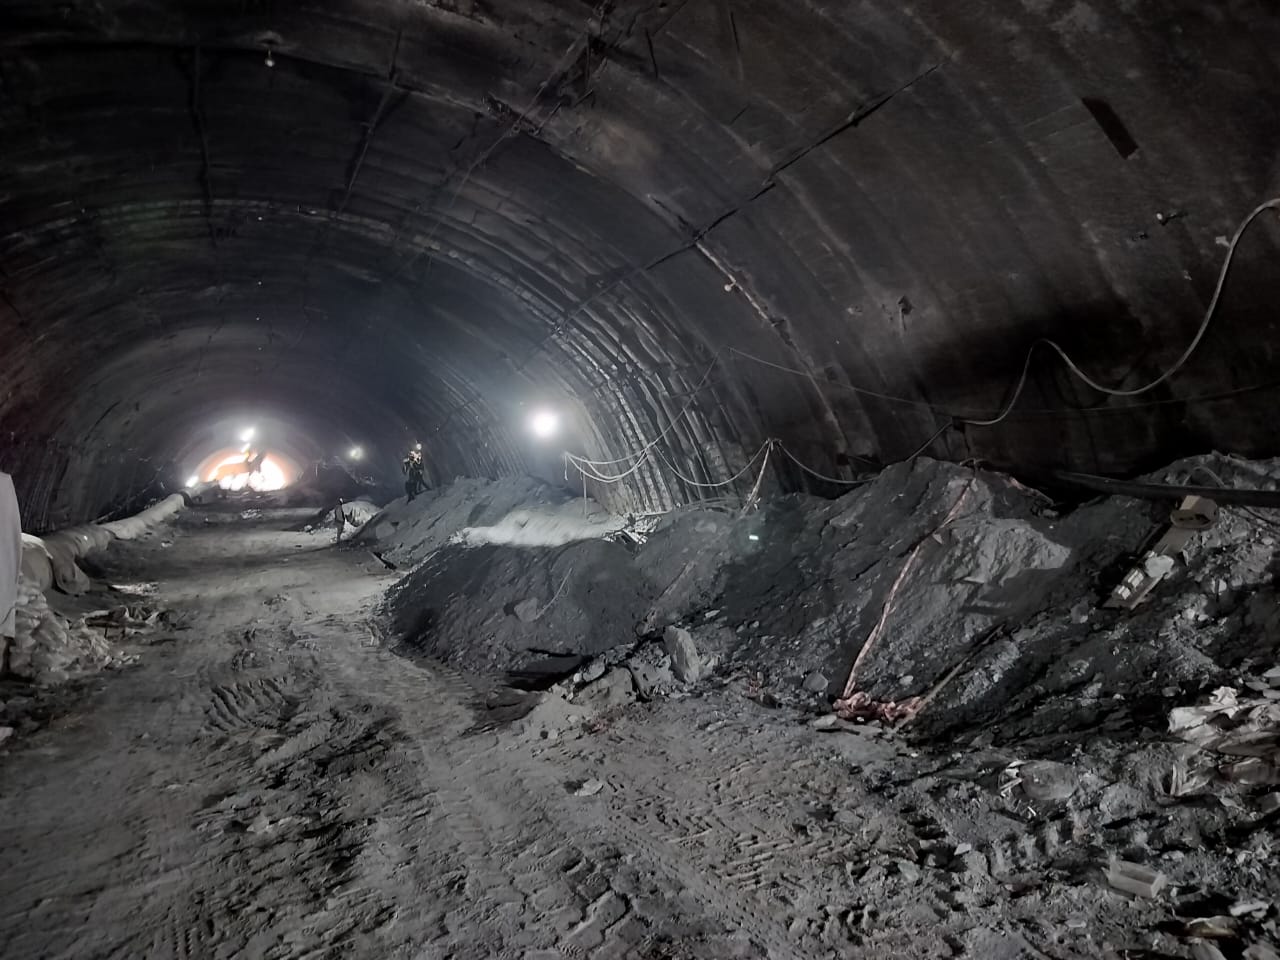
(1135, 879)
(1244, 908)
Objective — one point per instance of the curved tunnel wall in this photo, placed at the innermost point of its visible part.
(422, 217)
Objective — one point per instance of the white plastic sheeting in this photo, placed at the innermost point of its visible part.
(10, 554)
(130, 528)
(46, 648)
(65, 547)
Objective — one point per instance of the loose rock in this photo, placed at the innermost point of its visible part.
(526, 610)
(685, 662)
(1044, 781)
(614, 689)
(815, 682)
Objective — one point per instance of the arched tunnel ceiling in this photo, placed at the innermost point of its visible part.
(421, 215)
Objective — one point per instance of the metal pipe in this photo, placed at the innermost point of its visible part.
(1168, 491)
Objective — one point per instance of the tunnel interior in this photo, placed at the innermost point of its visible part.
(840, 226)
(775, 479)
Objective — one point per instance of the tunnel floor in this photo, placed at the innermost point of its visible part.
(274, 782)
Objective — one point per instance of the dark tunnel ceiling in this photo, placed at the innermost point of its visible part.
(425, 214)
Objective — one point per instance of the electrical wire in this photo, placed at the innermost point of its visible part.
(1072, 366)
(924, 404)
(928, 443)
(1204, 325)
(642, 456)
(821, 476)
(591, 473)
(723, 483)
(660, 437)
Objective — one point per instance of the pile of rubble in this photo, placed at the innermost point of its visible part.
(949, 597)
(406, 532)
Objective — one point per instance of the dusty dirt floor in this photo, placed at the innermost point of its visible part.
(271, 780)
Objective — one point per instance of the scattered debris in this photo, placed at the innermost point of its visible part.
(614, 689)
(1194, 515)
(1247, 728)
(1044, 781)
(1135, 879)
(1244, 908)
(588, 788)
(650, 677)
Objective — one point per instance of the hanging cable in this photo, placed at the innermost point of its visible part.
(928, 443)
(723, 483)
(586, 468)
(1072, 366)
(589, 467)
(670, 426)
(820, 476)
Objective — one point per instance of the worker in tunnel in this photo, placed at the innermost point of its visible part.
(414, 479)
(339, 520)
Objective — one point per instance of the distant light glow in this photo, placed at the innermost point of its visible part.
(544, 424)
(192, 480)
(356, 453)
(247, 434)
(753, 536)
(233, 474)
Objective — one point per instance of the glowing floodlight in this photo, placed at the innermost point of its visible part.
(247, 434)
(192, 480)
(544, 424)
(356, 453)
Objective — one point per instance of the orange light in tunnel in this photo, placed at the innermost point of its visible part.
(232, 473)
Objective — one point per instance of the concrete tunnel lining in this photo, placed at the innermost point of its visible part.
(422, 216)
(893, 570)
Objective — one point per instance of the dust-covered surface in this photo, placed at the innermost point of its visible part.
(972, 590)
(277, 782)
(406, 532)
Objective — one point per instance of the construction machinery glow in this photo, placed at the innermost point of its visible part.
(233, 473)
(544, 424)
